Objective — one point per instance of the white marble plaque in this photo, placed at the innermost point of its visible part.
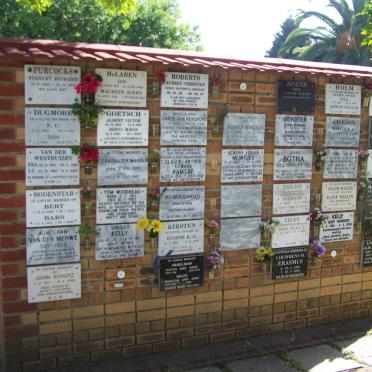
(182, 164)
(241, 200)
(122, 88)
(49, 84)
(53, 245)
(181, 237)
(52, 167)
(342, 132)
(294, 130)
(369, 165)
(338, 226)
(181, 203)
(292, 231)
(119, 205)
(122, 167)
(241, 129)
(119, 241)
(53, 283)
(184, 90)
(51, 127)
(339, 196)
(52, 207)
(291, 198)
(343, 99)
(242, 165)
(293, 164)
(240, 233)
(123, 128)
(341, 163)
(183, 127)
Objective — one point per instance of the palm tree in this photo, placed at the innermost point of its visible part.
(333, 42)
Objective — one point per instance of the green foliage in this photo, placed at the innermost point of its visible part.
(87, 113)
(367, 29)
(86, 229)
(150, 23)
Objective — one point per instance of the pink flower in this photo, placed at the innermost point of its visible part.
(89, 83)
(160, 75)
(89, 154)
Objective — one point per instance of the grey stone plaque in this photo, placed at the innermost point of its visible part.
(294, 130)
(293, 164)
(53, 283)
(183, 127)
(119, 241)
(343, 99)
(123, 128)
(181, 237)
(52, 207)
(53, 245)
(181, 203)
(49, 84)
(119, 205)
(122, 167)
(292, 231)
(51, 167)
(339, 196)
(240, 233)
(242, 165)
(241, 200)
(341, 163)
(291, 198)
(182, 164)
(122, 88)
(338, 226)
(51, 127)
(241, 129)
(342, 132)
(184, 90)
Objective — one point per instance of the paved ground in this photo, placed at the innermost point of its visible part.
(336, 347)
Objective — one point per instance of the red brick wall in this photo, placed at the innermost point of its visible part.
(240, 301)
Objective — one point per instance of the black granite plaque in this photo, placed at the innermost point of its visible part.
(366, 253)
(289, 263)
(295, 96)
(181, 272)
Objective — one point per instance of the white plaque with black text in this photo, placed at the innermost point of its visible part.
(51, 127)
(49, 84)
(53, 283)
(341, 163)
(123, 128)
(122, 167)
(181, 237)
(181, 203)
(119, 205)
(339, 196)
(183, 127)
(338, 227)
(342, 132)
(52, 207)
(184, 90)
(292, 164)
(122, 88)
(119, 241)
(343, 99)
(294, 130)
(291, 198)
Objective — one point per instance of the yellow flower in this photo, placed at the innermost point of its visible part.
(142, 223)
(156, 226)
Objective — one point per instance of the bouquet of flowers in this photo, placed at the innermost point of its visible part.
(215, 84)
(89, 84)
(87, 154)
(264, 254)
(363, 188)
(269, 226)
(214, 259)
(318, 249)
(321, 157)
(317, 217)
(212, 226)
(152, 226)
(363, 158)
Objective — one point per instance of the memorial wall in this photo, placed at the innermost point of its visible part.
(154, 212)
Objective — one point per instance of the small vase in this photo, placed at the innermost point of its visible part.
(88, 168)
(267, 236)
(262, 266)
(212, 239)
(318, 165)
(316, 230)
(363, 166)
(361, 195)
(151, 279)
(86, 208)
(155, 203)
(90, 99)
(87, 125)
(315, 260)
(153, 167)
(211, 273)
(215, 90)
(154, 242)
(87, 243)
(155, 88)
(215, 130)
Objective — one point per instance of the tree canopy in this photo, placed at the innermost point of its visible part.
(153, 23)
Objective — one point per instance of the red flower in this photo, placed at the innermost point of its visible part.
(89, 83)
(89, 154)
(160, 75)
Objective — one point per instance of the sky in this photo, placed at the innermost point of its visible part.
(243, 28)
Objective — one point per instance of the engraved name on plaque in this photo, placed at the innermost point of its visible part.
(123, 128)
(52, 207)
(51, 167)
(293, 130)
(119, 205)
(124, 166)
(51, 127)
(291, 198)
(182, 164)
(181, 203)
(241, 129)
(289, 263)
(339, 196)
(341, 163)
(292, 164)
(342, 132)
(343, 99)
(337, 227)
(49, 84)
(366, 256)
(183, 127)
(242, 165)
(122, 87)
(184, 90)
(295, 96)
(241, 200)
(119, 241)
